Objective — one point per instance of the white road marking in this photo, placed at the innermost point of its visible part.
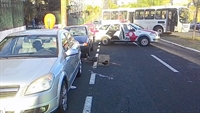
(92, 78)
(88, 105)
(167, 65)
(136, 44)
(97, 55)
(98, 46)
(99, 43)
(95, 65)
(98, 50)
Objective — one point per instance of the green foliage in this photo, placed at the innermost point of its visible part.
(112, 5)
(147, 3)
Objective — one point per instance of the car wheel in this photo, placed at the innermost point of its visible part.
(63, 98)
(144, 41)
(105, 41)
(79, 70)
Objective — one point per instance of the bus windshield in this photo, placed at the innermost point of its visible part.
(184, 15)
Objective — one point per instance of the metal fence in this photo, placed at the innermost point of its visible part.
(12, 14)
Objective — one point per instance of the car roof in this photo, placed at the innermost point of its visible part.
(36, 32)
(76, 26)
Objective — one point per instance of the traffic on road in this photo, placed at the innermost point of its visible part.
(44, 71)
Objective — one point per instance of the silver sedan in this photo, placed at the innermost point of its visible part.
(37, 69)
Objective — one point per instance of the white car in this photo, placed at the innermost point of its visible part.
(126, 32)
(38, 68)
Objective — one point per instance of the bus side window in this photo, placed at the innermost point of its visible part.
(149, 14)
(164, 14)
(139, 14)
(106, 15)
(158, 15)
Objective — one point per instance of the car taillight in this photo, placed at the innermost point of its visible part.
(85, 44)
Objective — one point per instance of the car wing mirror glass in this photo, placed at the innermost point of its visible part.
(71, 52)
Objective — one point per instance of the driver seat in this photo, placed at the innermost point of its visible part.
(27, 47)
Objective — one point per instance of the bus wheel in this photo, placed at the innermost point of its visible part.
(105, 41)
(144, 41)
(158, 29)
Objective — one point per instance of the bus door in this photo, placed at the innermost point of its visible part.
(131, 17)
(171, 20)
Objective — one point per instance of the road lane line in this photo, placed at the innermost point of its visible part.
(97, 55)
(92, 78)
(94, 65)
(136, 44)
(98, 46)
(98, 50)
(88, 105)
(167, 65)
(99, 43)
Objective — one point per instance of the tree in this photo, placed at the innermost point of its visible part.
(147, 3)
(112, 4)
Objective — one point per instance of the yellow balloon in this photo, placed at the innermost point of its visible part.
(49, 21)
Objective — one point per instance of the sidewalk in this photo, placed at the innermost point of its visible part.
(184, 39)
(187, 35)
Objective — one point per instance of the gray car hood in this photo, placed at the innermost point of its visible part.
(24, 71)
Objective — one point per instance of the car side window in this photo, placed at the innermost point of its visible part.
(64, 42)
(70, 39)
(104, 27)
(130, 28)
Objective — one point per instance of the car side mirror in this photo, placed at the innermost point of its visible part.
(71, 52)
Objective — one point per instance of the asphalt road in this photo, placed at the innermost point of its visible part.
(160, 78)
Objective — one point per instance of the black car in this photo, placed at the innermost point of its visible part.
(197, 25)
(82, 34)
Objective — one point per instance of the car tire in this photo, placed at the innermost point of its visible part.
(79, 74)
(105, 41)
(144, 41)
(63, 98)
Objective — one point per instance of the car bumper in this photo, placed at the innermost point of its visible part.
(84, 49)
(46, 101)
(155, 38)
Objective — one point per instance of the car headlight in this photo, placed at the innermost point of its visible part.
(152, 34)
(41, 84)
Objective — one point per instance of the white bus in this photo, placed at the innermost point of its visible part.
(113, 15)
(159, 18)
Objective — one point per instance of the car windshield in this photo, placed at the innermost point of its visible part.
(136, 26)
(28, 46)
(77, 31)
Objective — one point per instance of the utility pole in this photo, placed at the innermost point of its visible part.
(196, 19)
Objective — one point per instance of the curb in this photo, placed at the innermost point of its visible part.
(188, 48)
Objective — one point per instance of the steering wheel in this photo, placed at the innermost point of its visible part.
(45, 50)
